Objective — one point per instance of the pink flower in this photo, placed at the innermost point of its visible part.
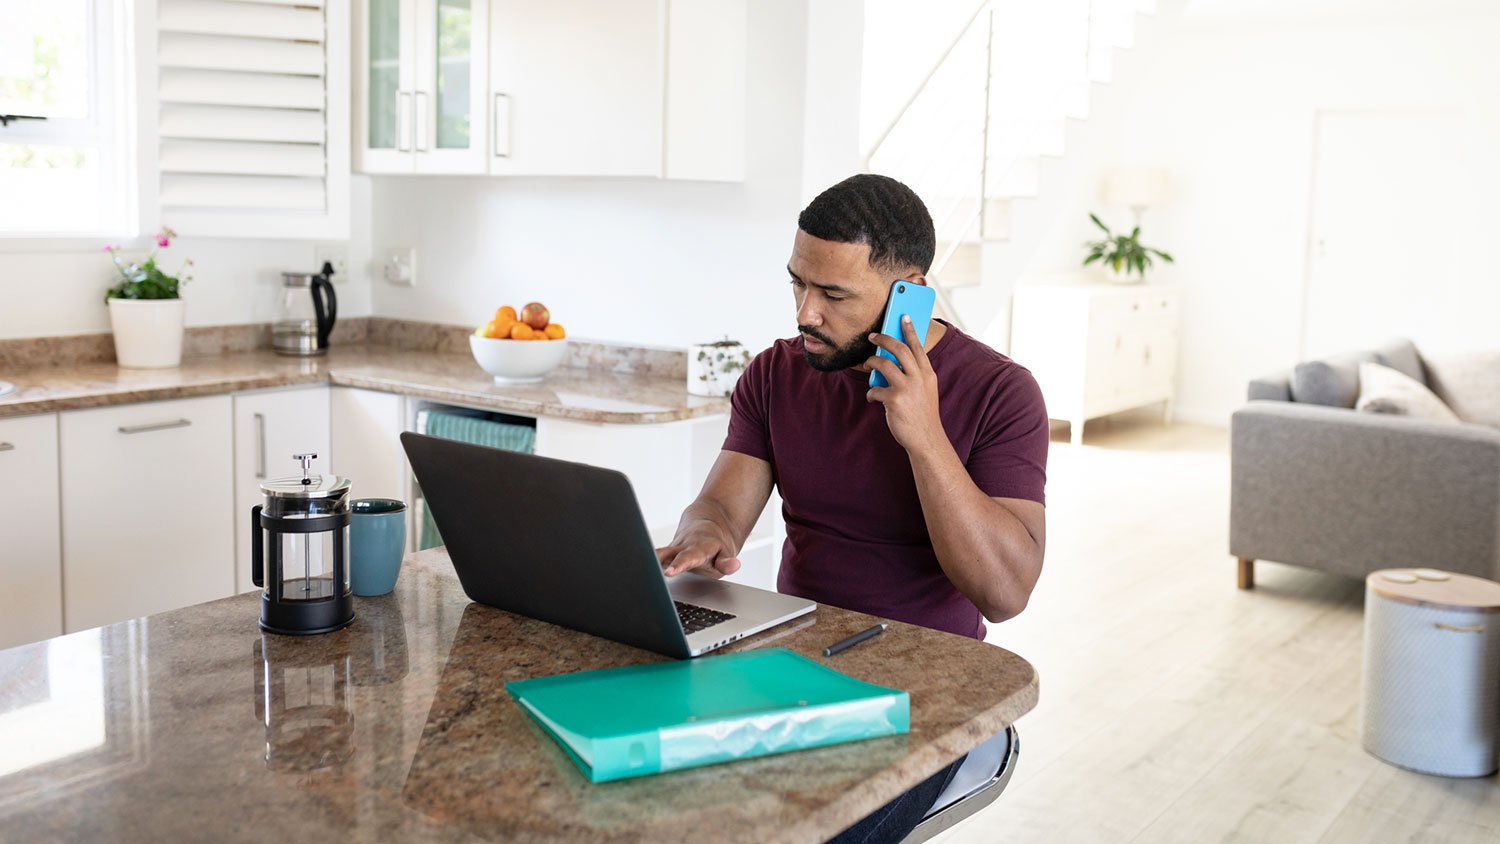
(109, 247)
(163, 242)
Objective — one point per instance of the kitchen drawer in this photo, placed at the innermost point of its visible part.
(147, 508)
(31, 562)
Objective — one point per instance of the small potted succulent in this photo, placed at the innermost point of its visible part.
(146, 310)
(1124, 258)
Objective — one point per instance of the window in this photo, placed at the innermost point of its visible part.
(62, 83)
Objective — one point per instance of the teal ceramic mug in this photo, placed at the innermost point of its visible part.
(377, 541)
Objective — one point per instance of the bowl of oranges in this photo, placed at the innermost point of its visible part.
(519, 348)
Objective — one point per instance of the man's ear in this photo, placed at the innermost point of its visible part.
(916, 277)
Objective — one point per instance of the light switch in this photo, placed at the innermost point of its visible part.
(401, 266)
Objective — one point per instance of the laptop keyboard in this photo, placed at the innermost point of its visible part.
(695, 618)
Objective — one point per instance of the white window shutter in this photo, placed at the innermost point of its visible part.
(247, 115)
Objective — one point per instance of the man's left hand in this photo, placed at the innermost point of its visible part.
(911, 400)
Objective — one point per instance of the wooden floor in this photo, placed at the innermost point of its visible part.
(1177, 708)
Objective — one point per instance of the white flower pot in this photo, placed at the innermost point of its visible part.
(1123, 276)
(713, 368)
(148, 332)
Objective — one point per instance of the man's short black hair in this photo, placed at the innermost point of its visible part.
(878, 211)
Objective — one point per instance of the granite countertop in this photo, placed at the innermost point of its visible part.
(193, 725)
(569, 392)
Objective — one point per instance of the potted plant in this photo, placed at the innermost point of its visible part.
(1122, 256)
(146, 309)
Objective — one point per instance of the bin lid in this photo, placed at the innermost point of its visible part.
(1433, 588)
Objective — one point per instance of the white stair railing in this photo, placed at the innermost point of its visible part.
(993, 105)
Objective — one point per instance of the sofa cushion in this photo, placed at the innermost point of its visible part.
(1470, 384)
(1385, 390)
(1332, 381)
(1401, 355)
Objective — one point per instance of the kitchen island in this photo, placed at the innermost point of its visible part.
(192, 725)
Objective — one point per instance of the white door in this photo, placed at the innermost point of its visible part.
(384, 79)
(366, 428)
(31, 558)
(1390, 194)
(147, 509)
(270, 427)
(448, 100)
(576, 87)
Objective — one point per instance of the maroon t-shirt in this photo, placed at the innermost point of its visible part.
(855, 533)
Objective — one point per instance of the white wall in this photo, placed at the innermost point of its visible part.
(640, 261)
(45, 293)
(1227, 106)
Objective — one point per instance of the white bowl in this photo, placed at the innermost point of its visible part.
(518, 361)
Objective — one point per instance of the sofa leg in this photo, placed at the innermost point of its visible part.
(1246, 578)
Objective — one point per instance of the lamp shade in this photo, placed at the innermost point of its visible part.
(1136, 187)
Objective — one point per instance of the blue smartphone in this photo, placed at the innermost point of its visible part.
(906, 298)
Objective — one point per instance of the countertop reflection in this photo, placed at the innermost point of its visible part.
(193, 725)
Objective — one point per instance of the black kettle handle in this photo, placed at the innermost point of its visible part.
(257, 538)
(322, 290)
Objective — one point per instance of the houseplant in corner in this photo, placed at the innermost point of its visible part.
(1123, 257)
(146, 308)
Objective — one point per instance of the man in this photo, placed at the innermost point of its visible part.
(921, 501)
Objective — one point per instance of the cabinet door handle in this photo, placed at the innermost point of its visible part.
(260, 439)
(1473, 628)
(502, 126)
(403, 121)
(155, 426)
(423, 142)
(7, 447)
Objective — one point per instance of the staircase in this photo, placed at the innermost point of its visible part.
(973, 137)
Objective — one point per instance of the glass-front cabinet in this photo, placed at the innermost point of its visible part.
(421, 76)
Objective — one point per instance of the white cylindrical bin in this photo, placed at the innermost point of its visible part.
(1431, 685)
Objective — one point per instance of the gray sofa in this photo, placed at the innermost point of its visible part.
(1315, 483)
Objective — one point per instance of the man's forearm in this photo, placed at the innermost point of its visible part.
(983, 547)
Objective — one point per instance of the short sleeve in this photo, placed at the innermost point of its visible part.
(1009, 459)
(749, 432)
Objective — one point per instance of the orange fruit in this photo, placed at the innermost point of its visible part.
(491, 329)
(555, 331)
(505, 313)
(502, 328)
(521, 331)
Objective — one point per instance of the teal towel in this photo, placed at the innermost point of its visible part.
(478, 429)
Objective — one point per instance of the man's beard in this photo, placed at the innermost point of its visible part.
(852, 353)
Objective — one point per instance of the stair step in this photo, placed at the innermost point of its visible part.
(962, 268)
(1017, 177)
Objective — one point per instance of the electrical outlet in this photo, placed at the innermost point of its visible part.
(401, 266)
(335, 253)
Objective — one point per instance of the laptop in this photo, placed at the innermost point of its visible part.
(566, 543)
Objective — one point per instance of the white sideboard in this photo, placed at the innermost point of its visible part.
(1097, 349)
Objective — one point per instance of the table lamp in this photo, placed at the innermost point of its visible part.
(1136, 187)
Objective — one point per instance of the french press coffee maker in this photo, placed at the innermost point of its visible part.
(300, 553)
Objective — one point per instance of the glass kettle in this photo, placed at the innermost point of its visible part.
(305, 313)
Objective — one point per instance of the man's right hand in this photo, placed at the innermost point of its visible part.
(703, 549)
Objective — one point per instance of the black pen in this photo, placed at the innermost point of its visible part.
(850, 642)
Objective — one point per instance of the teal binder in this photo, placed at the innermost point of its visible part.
(646, 719)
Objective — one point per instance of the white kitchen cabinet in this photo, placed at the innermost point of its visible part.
(564, 88)
(366, 430)
(31, 561)
(147, 508)
(1097, 349)
(269, 427)
(576, 87)
(420, 72)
